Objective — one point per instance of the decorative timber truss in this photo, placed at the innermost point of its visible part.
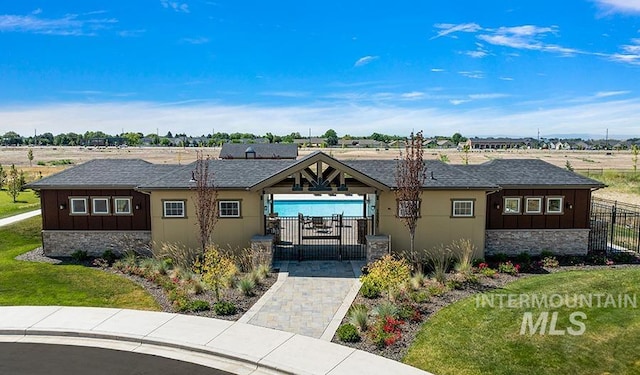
(320, 173)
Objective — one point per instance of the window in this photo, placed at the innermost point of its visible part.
(78, 206)
(533, 205)
(462, 208)
(229, 208)
(173, 208)
(122, 206)
(511, 205)
(405, 208)
(554, 205)
(100, 206)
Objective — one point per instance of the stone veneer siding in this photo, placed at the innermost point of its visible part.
(534, 241)
(62, 243)
(377, 247)
(262, 246)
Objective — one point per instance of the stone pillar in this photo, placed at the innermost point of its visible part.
(263, 248)
(377, 247)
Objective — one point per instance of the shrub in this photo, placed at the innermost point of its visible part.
(224, 308)
(359, 316)
(79, 256)
(456, 281)
(501, 257)
(419, 296)
(417, 280)
(180, 255)
(508, 267)
(439, 259)
(109, 256)
(386, 332)
(386, 309)
(198, 305)
(193, 286)
(387, 273)
(246, 285)
(523, 257)
(546, 253)
(348, 333)
(463, 251)
(101, 263)
(264, 270)
(488, 272)
(550, 262)
(216, 269)
(369, 290)
(256, 277)
(436, 289)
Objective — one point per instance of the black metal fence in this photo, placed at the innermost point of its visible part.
(615, 226)
(334, 237)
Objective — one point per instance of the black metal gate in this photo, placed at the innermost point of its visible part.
(333, 237)
(615, 226)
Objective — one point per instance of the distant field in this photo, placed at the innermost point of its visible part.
(48, 160)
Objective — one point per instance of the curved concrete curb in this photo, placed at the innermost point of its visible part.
(229, 346)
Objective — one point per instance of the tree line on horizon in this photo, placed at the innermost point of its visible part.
(330, 138)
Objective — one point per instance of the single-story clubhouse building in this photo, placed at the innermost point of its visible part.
(503, 206)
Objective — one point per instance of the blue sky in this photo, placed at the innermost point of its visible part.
(482, 68)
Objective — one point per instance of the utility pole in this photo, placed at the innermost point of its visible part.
(606, 139)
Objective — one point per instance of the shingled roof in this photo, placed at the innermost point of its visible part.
(530, 173)
(103, 173)
(262, 150)
(439, 174)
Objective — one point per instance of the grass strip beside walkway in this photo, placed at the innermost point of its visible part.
(471, 338)
(28, 283)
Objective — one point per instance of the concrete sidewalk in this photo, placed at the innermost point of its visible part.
(225, 345)
(310, 298)
(16, 218)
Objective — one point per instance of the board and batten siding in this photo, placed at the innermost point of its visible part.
(54, 218)
(575, 217)
(228, 232)
(436, 226)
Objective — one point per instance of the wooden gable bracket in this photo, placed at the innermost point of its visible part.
(297, 185)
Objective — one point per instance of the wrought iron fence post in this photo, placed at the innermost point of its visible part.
(614, 210)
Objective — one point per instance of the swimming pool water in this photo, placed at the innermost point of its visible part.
(318, 207)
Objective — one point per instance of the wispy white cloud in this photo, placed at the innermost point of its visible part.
(476, 54)
(476, 74)
(365, 60)
(286, 94)
(176, 6)
(630, 53)
(606, 94)
(70, 24)
(506, 78)
(528, 37)
(413, 95)
(619, 6)
(488, 96)
(198, 40)
(437, 70)
(196, 118)
(131, 33)
(36, 11)
(448, 29)
(458, 101)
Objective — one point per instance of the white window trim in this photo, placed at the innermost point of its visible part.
(453, 208)
(93, 205)
(115, 206)
(526, 205)
(561, 211)
(237, 202)
(401, 213)
(517, 199)
(86, 205)
(164, 208)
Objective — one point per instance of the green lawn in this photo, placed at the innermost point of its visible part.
(466, 339)
(29, 283)
(26, 201)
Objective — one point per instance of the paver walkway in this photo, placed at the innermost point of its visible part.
(19, 217)
(310, 298)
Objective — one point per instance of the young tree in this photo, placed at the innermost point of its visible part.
(411, 174)
(14, 183)
(30, 156)
(465, 155)
(206, 199)
(634, 158)
(3, 177)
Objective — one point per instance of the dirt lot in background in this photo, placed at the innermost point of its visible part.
(174, 155)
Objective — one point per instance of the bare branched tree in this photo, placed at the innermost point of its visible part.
(411, 174)
(205, 200)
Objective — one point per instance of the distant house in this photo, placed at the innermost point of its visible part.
(499, 143)
(310, 142)
(445, 143)
(259, 151)
(361, 143)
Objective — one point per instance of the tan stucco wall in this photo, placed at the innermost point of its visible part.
(435, 226)
(234, 232)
